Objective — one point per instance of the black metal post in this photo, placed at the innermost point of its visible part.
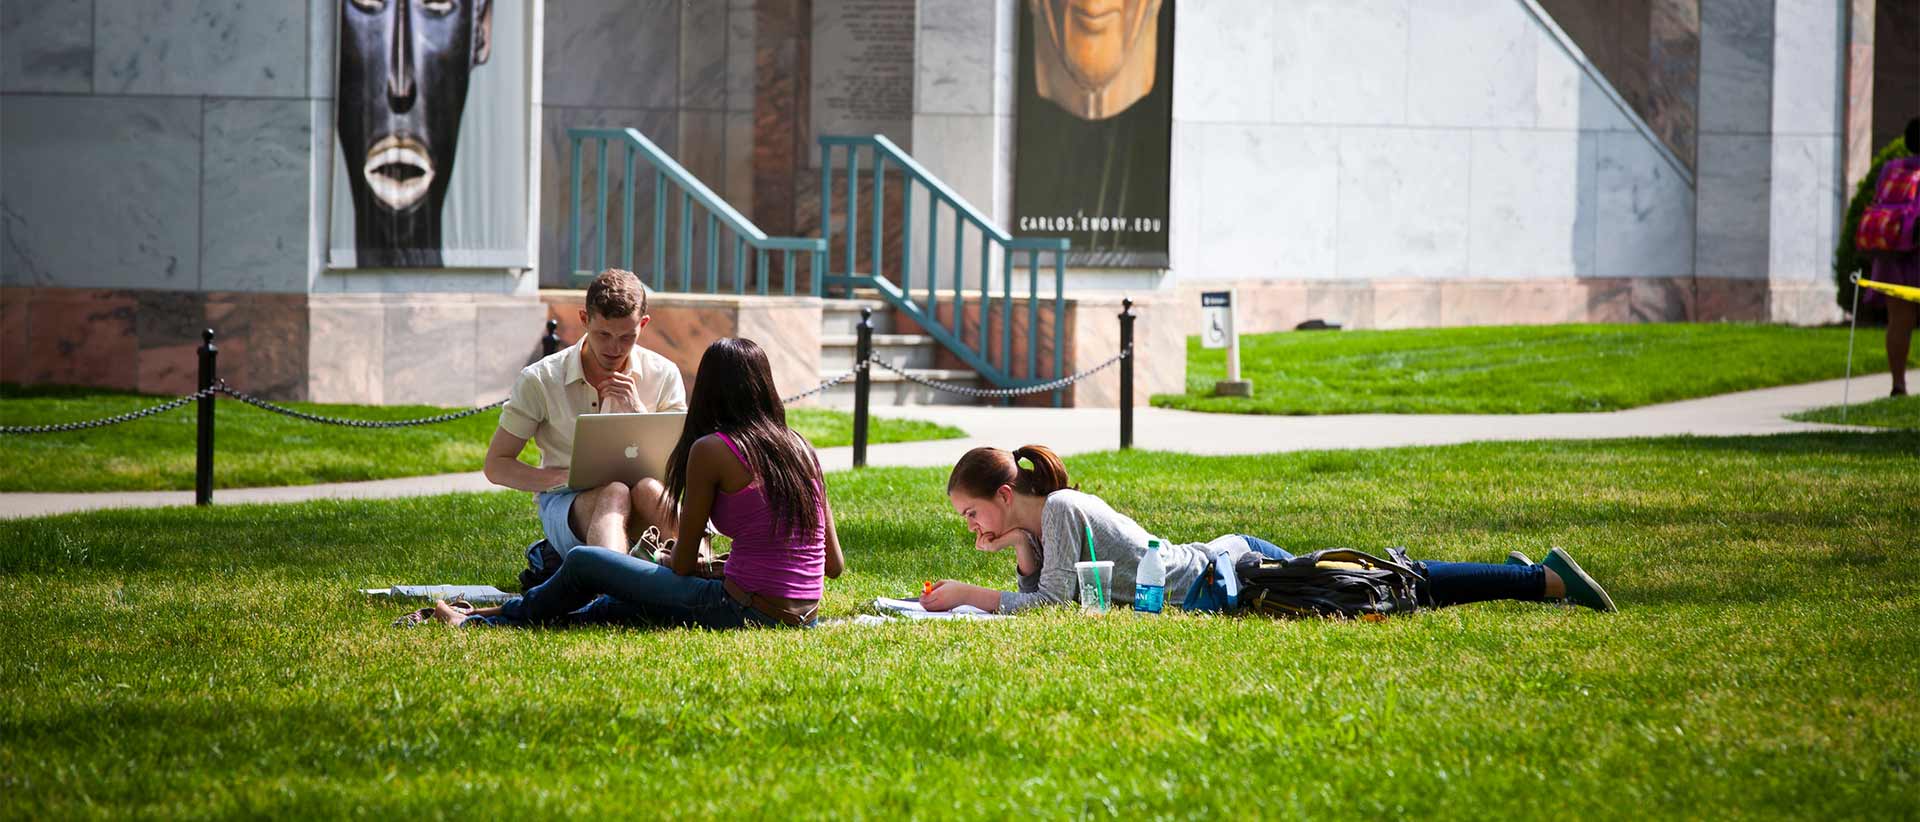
(551, 342)
(1126, 374)
(862, 384)
(203, 456)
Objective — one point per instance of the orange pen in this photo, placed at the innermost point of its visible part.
(926, 587)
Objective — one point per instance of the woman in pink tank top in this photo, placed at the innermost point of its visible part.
(738, 465)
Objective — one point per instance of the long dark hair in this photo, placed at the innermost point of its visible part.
(983, 470)
(733, 392)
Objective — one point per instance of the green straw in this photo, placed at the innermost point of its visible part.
(1099, 590)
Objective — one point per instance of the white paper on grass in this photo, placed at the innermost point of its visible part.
(912, 609)
(477, 594)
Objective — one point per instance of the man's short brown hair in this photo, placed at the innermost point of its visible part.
(616, 293)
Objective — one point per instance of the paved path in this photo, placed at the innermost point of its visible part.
(1079, 430)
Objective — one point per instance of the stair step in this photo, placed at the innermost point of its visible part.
(879, 339)
(904, 350)
(842, 317)
(954, 375)
(892, 389)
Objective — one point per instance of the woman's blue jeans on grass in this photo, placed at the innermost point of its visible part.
(1457, 583)
(600, 586)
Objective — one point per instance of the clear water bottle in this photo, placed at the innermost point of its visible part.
(1150, 584)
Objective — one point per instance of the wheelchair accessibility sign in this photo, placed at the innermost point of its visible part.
(1217, 313)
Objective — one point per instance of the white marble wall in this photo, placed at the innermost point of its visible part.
(200, 130)
(176, 154)
(83, 210)
(1408, 139)
(187, 146)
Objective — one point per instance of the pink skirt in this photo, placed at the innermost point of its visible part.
(1895, 269)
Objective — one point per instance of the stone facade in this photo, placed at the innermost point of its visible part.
(683, 325)
(1380, 163)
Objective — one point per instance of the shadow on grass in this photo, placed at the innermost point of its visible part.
(1892, 443)
(16, 391)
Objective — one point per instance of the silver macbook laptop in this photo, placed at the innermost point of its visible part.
(622, 447)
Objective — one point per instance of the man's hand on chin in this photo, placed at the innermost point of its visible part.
(619, 394)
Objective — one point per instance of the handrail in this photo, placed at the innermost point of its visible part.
(691, 192)
(978, 354)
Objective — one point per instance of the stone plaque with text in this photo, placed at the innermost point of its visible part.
(862, 66)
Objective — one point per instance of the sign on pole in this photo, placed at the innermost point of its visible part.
(1217, 311)
(1216, 308)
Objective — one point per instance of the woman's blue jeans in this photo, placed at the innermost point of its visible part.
(596, 586)
(1457, 583)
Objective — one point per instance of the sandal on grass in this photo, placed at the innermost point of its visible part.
(425, 615)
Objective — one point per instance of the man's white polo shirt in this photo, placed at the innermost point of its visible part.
(552, 393)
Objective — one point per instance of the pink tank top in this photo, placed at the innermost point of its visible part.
(761, 560)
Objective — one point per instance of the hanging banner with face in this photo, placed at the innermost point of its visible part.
(423, 84)
(1093, 128)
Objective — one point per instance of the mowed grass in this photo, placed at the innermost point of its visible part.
(255, 448)
(217, 663)
(1886, 412)
(1513, 369)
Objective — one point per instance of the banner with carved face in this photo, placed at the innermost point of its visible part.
(1093, 128)
(431, 127)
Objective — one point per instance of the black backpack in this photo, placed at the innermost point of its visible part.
(1336, 582)
(542, 562)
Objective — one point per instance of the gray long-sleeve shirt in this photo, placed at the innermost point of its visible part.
(1116, 537)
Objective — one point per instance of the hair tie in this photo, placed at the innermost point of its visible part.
(1023, 462)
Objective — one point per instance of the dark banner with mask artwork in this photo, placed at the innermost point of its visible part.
(431, 135)
(1093, 128)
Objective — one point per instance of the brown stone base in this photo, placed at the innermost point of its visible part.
(789, 328)
(683, 325)
(360, 348)
(1279, 305)
(149, 341)
(448, 349)
(1092, 329)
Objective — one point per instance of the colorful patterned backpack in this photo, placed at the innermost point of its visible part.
(1892, 222)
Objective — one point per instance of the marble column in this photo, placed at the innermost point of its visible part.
(963, 104)
(1770, 158)
(1859, 153)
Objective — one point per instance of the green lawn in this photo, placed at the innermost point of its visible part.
(254, 448)
(1514, 370)
(216, 663)
(1886, 412)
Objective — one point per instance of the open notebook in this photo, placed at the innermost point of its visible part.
(476, 594)
(911, 609)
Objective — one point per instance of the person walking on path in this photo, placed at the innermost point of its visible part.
(1895, 191)
(1021, 499)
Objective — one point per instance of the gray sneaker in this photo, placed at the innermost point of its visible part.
(1581, 589)
(1517, 558)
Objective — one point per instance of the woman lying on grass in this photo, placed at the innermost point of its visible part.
(1021, 499)
(739, 465)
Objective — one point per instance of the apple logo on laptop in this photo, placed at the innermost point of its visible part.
(633, 452)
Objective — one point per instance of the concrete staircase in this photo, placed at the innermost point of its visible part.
(917, 353)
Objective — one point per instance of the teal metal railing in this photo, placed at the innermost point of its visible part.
(696, 251)
(997, 365)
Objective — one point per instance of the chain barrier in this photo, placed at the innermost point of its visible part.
(58, 428)
(989, 393)
(825, 385)
(224, 388)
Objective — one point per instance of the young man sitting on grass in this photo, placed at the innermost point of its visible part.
(607, 371)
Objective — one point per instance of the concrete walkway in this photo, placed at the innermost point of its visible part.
(1080, 430)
